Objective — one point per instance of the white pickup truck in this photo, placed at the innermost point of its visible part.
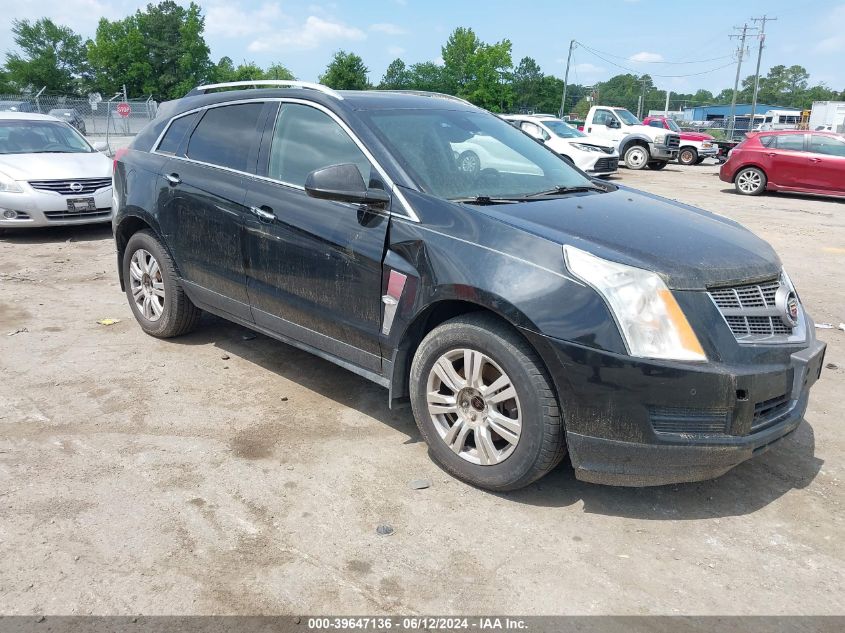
(639, 145)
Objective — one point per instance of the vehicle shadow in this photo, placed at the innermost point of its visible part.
(791, 195)
(789, 465)
(56, 234)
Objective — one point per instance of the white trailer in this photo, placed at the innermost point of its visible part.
(828, 115)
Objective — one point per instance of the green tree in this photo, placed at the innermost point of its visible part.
(278, 70)
(52, 56)
(396, 77)
(459, 60)
(426, 76)
(492, 86)
(621, 90)
(551, 92)
(346, 71)
(6, 85)
(160, 51)
(527, 81)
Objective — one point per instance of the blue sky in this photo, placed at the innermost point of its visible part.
(637, 34)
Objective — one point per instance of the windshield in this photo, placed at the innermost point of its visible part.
(627, 117)
(562, 129)
(672, 125)
(455, 154)
(40, 137)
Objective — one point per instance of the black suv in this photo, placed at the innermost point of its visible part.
(522, 308)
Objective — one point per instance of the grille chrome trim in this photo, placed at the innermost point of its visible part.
(751, 312)
(84, 186)
(79, 215)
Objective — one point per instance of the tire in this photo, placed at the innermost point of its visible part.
(657, 165)
(750, 181)
(469, 163)
(536, 443)
(636, 157)
(688, 156)
(165, 316)
(699, 161)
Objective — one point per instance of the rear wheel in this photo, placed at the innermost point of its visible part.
(636, 157)
(485, 405)
(657, 165)
(155, 295)
(699, 161)
(469, 162)
(688, 156)
(750, 181)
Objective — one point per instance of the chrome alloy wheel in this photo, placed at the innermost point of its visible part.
(749, 181)
(146, 284)
(474, 406)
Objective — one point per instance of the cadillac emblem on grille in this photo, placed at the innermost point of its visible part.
(787, 304)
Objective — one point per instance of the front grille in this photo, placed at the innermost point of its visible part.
(86, 186)
(689, 421)
(81, 215)
(606, 164)
(768, 411)
(750, 310)
(673, 141)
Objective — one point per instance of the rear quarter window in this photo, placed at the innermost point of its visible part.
(176, 134)
(225, 136)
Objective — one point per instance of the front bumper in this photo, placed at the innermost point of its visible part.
(35, 208)
(708, 152)
(605, 165)
(638, 422)
(662, 152)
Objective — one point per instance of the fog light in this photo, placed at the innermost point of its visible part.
(9, 214)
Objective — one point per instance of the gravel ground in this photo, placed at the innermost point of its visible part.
(228, 473)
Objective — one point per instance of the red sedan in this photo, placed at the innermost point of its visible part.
(788, 160)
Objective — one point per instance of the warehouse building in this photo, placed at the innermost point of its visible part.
(741, 110)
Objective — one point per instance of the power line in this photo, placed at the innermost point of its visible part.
(740, 53)
(638, 61)
(637, 72)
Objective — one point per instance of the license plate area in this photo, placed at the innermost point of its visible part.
(78, 205)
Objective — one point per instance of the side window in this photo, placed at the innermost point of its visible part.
(827, 145)
(225, 135)
(656, 123)
(306, 139)
(532, 129)
(601, 117)
(794, 142)
(767, 140)
(176, 133)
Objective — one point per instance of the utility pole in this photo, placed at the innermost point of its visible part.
(740, 55)
(666, 107)
(762, 36)
(641, 101)
(566, 79)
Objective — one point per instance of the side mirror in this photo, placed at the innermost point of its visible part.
(343, 183)
(100, 146)
(612, 123)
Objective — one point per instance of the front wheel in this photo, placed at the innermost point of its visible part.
(485, 405)
(468, 162)
(657, 165)
(155, 295)
(636, 157)
(750, 181)
(688, 156)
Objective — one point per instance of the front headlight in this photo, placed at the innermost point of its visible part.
(8, 185)
(650, 320)
(585, 148)
(658, 140)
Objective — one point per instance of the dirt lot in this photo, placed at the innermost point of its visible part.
(221, 473)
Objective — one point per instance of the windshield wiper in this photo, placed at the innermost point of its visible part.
(564, 190)
(485, 200)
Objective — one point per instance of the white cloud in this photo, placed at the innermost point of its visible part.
(387, 28)
(645, 56)
(395, 51)
(314, 33)
(586, 68)
(227, 20)
(835, 41)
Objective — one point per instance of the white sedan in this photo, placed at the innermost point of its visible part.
(49, 174)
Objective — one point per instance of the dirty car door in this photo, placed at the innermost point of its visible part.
(314, 266)
(203, 210)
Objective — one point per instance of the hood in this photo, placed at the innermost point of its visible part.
(55, 166)
(690, 248)
(696, 136)
(645, 130)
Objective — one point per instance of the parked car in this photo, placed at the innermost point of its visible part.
(16, 106)
(70, 115)
(795, 161)
(639, 145)
(521, 314)
(588, 153)
(49, 174)
(694, 147)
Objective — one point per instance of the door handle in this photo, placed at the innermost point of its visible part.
(815, 160)
(772, 154)
(173, 179)
(264, 214)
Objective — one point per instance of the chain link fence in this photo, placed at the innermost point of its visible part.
(93, 119)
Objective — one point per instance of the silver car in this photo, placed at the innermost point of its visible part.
(49, 174)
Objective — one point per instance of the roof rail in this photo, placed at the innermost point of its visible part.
(428, 93)
(281, 83)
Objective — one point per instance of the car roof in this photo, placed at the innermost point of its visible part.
(26, 116)
(782, 132)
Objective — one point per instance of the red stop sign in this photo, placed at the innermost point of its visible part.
(123, 109)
